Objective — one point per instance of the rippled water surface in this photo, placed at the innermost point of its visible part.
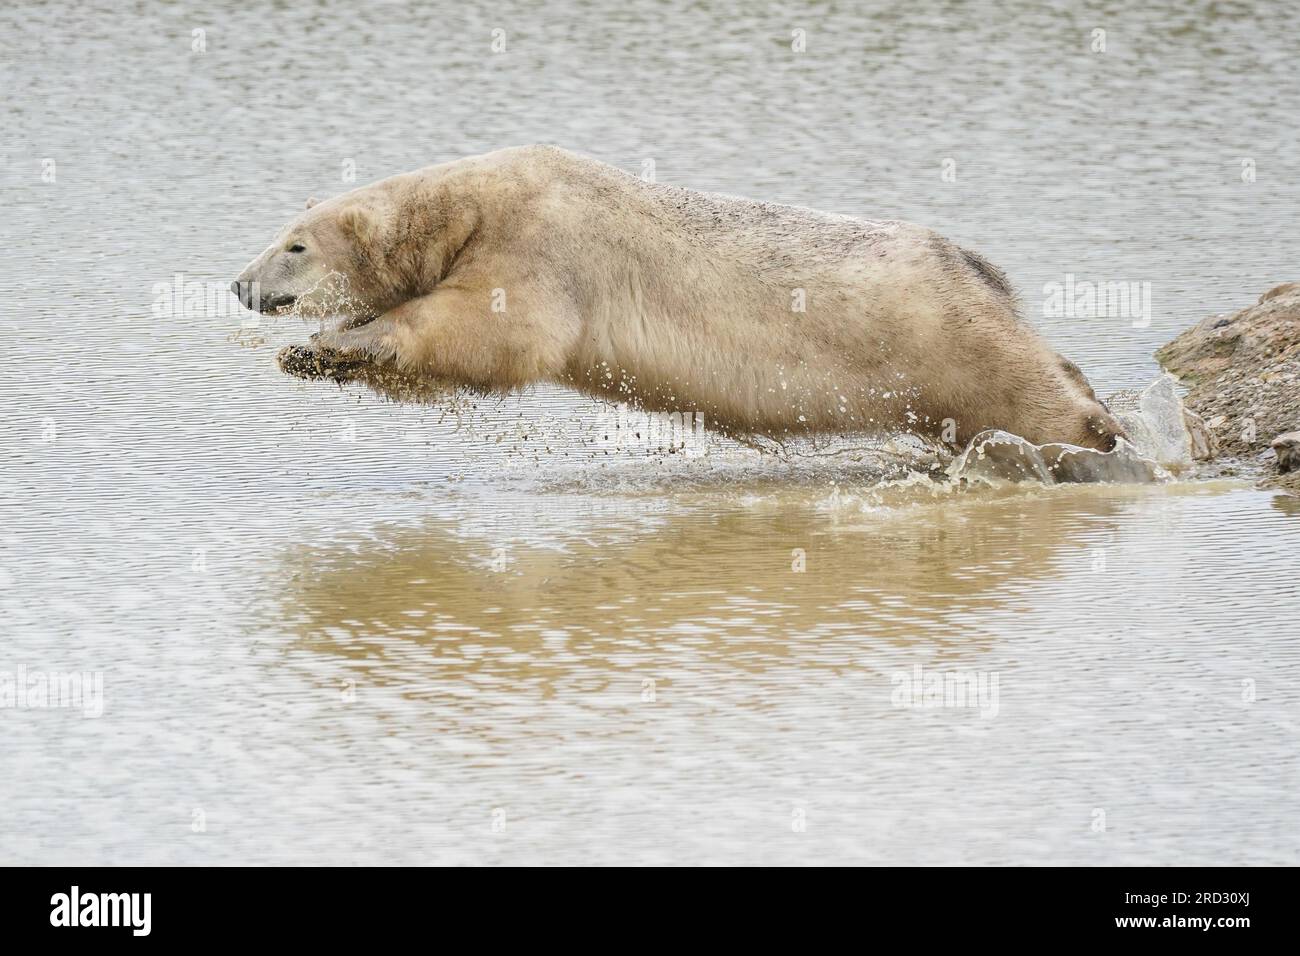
(332, 629)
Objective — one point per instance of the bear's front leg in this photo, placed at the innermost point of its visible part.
(494, 333)
(346, 358)
(458, 335)
(338, 355)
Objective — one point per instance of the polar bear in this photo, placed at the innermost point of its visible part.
(534, 264)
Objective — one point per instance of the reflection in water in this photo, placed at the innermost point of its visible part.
(779, 579)
(1287, 504)
(619, 662)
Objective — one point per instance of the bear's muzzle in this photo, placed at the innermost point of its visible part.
(250, 297)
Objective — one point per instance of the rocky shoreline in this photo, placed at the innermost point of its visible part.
(1243, 374)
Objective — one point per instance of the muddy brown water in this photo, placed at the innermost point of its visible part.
(330, 628)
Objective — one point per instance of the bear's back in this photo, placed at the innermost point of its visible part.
(771, 234)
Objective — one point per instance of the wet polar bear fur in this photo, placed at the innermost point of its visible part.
(534, 264)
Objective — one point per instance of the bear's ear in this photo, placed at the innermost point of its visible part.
(312, 201)
(360, 223)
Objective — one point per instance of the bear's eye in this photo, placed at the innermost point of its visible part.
(298, 247)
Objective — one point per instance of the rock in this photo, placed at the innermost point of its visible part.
(1287, 448)
(1286, 288)
(1289, 483)
(1204, 445)
(1242, 370)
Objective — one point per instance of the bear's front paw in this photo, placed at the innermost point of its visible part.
(305, 361)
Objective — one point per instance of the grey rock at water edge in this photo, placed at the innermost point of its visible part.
(1287, 448)
(1243, 370)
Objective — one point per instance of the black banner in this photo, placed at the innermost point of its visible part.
(333, 907)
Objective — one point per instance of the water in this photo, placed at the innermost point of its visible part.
(333, 629)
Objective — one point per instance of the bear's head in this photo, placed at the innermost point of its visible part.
(327, 262)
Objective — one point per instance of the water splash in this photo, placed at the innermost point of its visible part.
(1160, 427)
(1164, 439)
(994, 457)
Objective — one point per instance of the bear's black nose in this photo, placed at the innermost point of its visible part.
(246, 292)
